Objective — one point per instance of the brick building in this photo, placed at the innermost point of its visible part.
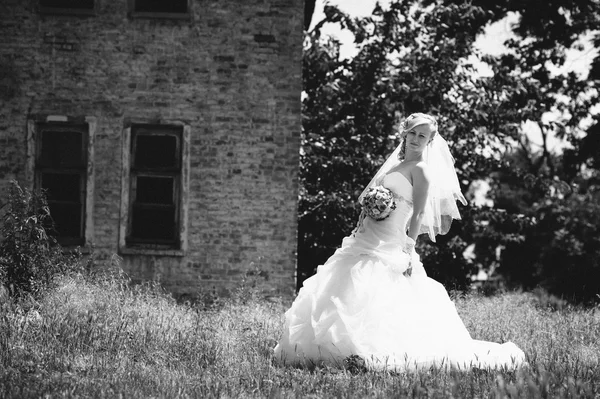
(165, 132)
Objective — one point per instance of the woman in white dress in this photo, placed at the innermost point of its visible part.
(372, 298)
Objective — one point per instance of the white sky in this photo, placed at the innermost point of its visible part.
(491, 42)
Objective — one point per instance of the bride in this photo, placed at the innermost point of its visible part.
(372, 298)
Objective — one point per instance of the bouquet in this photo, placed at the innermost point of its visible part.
(378, 203)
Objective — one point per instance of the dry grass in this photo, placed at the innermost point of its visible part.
(102, 338)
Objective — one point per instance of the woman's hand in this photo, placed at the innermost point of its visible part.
(409, 248)
(408, 272)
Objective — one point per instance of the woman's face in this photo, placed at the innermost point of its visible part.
(418, 137)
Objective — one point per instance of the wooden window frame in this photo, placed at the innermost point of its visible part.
(68, 11)
(173, 173)
(159, 15)
(36, 125)
(135, 245)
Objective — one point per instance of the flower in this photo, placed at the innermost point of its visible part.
(378, 202)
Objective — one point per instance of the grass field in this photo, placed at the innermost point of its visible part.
(102, 338)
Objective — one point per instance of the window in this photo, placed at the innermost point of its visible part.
(84, 7)
(61, 170)
(156, 177)
(159, 8)
(60, 159)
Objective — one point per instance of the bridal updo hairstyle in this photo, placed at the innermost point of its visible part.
(411, 121)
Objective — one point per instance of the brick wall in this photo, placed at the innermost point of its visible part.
(231, 72)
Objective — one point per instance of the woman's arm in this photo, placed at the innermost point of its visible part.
(421, 181)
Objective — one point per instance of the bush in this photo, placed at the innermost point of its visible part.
(30, 259)
(561, 250)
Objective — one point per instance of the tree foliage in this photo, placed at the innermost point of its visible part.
(419, 56)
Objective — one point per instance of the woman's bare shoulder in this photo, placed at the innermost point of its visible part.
(420, 171)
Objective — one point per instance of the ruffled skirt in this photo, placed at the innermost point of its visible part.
(362, 305)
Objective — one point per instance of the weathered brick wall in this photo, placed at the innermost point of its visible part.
(232, 73)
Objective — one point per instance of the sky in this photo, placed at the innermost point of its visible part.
(491, 42)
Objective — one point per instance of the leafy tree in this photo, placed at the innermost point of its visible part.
(554, 191)
(415, 56)
(406, 64)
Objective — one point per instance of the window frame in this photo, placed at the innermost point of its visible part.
(36, 125)
(157, 14)
(68, 11)
(136, 245)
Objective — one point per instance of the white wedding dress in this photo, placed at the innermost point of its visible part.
(360, 303)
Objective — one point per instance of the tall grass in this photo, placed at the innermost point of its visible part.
(100, 337)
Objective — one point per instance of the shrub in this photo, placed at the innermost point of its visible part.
(30, 259)
(561, 250)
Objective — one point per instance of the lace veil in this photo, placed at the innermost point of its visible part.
(444, 188)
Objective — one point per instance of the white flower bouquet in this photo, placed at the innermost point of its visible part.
(378, 203)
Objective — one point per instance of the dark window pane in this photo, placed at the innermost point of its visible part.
(153, 223)
(67, 219)
(78, 4)
(156, 151)
(62, 149)
(154, 190)
(62, 187)
(171, 6)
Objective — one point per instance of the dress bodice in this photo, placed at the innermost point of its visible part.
(384, 238)
(399, 185)
(403, 190)
(399, 218)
